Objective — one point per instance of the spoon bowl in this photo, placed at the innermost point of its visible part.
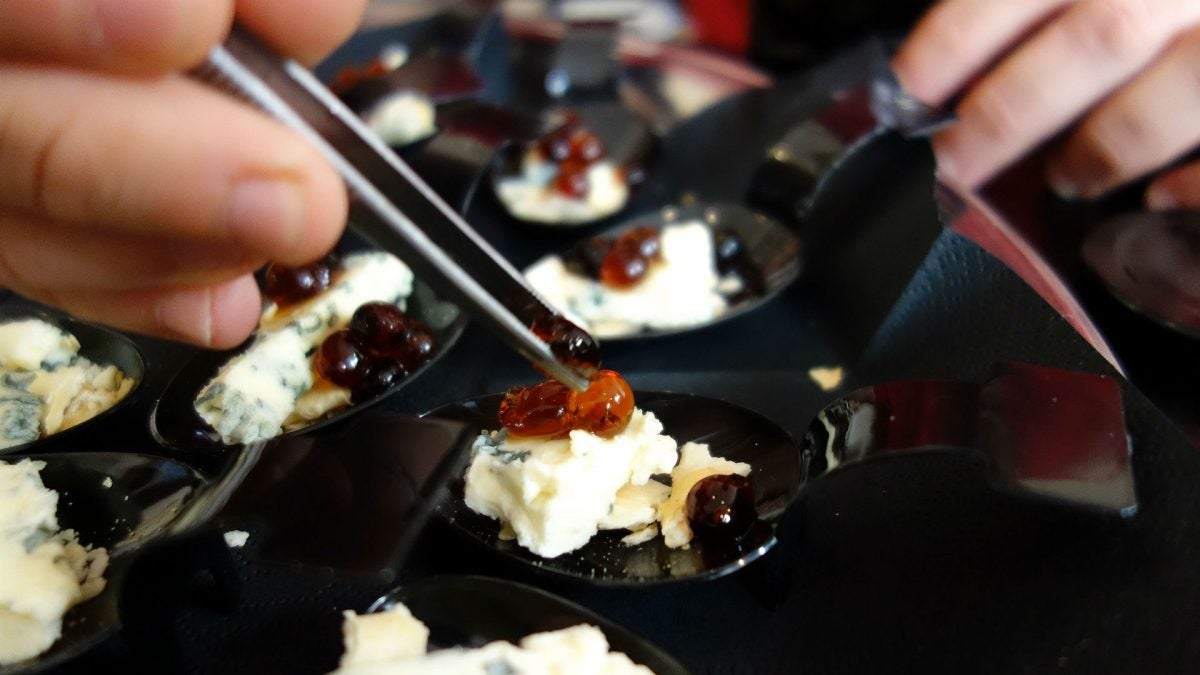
(470, 611)
(99, 345)
(176, 424)
(778, 472)
(119, 501)
(768, 261)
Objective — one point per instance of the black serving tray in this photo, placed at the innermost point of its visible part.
(914, 564)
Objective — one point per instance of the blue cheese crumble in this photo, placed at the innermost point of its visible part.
(681, 290)
(394, 643)
(554, 495)
(270, 384)
(43, 571)
(46, 386)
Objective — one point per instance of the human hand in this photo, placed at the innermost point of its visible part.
(1123, 76)
(135, 196)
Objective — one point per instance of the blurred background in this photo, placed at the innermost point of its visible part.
(776, 35)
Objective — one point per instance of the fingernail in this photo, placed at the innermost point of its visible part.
(266, 214)
(188, 315)
(1159, 198)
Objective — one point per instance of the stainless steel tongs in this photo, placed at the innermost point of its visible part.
(388, 199)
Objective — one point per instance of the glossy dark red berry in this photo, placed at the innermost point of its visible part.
(287, 285)
(340, 360)
(542, 410)
(555, 144)
(571, 179)
(417, 345)
(550, 409)
(605, 408)
(380, 376)
(569, 343)
(720, 508)
(586, 147)
(379, 326)
(630, 258)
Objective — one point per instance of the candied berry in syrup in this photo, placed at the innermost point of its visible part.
(605, 408)
(630, 257)
(540, 410)
(287, 285)
(569, 343)
(386, 333)
(586, 257)
(720, 508)
(571, 179)
(379, 377)
(646, 240)
(340, 360)
(379, 326)
(555, 145)
(586, 147)
(416, 346)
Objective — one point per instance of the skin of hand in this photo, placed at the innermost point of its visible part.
(1121, 78)
(134, 196)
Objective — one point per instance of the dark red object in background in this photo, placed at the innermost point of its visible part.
(723, 24)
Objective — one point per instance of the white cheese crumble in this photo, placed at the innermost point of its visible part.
(46, 386)
(236, 538)
(530, 195)
(681, 290)
(827, 378)
(382, 636)
(395, 643)
(258, 391)
(403, 118)
(555, 495)
(32, 344)
(43, 571)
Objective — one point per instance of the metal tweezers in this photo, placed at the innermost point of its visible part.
(388, 199)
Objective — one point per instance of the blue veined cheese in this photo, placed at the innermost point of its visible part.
(557, 493)
(257, 391)
(530, 195)
(43, 572)
(32, 344)
(695, 464)
(363, 278)
(683, 289)
(253, 393)
(20, 415)
(42, 361)
(577, 650)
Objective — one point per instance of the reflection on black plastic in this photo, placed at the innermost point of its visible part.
(790, 177)
(350, 500)
(1042, 430)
